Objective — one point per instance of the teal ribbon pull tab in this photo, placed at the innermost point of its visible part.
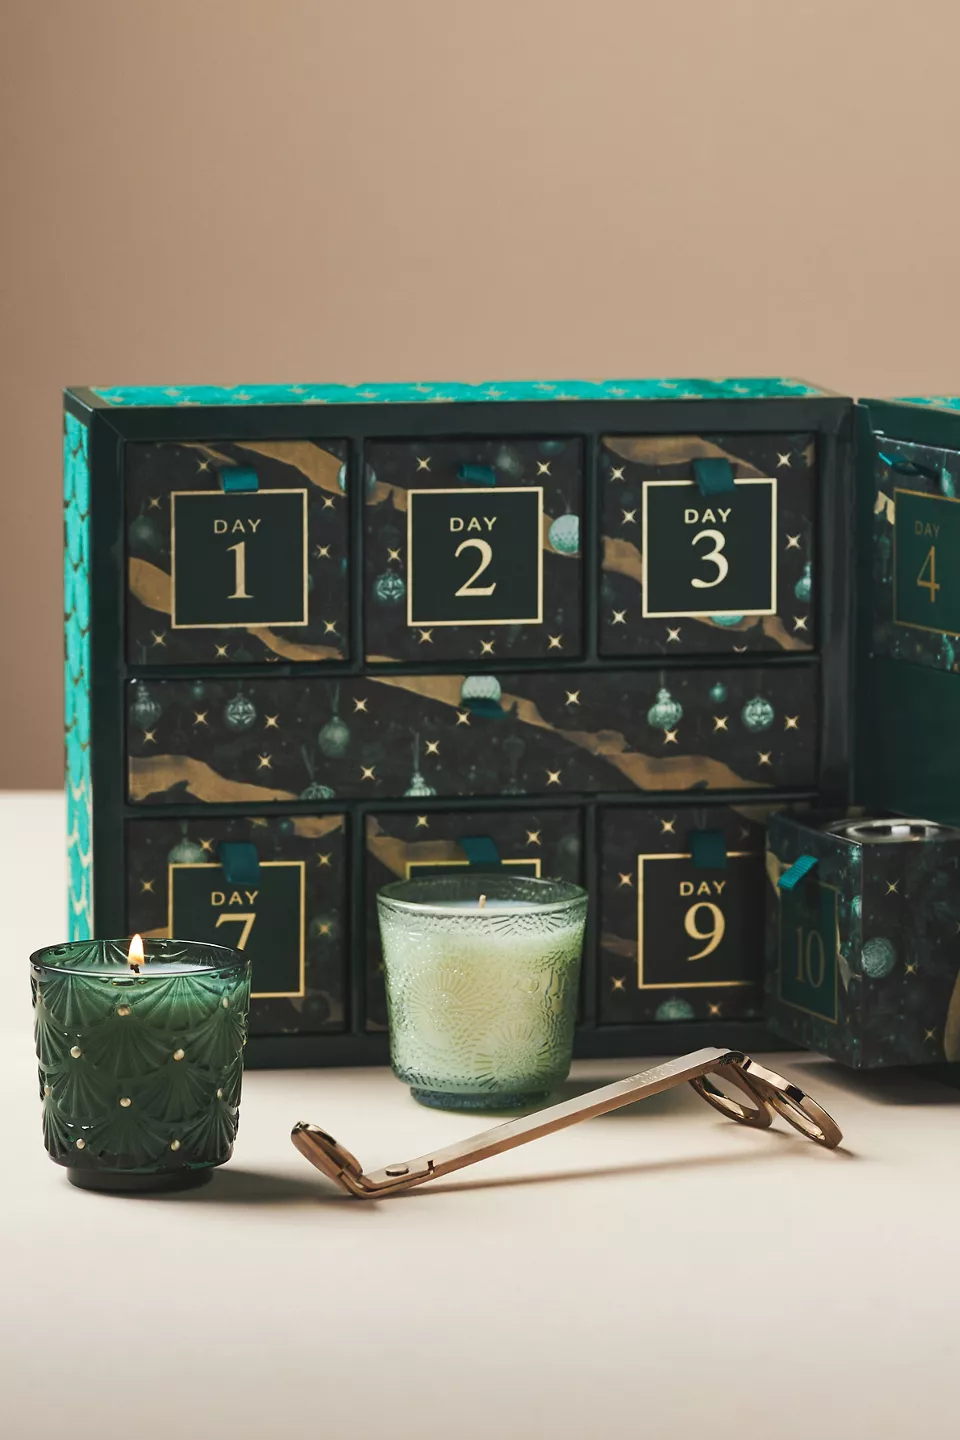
(239, 862)
(714, 477)
(480, 850)
(798, 871)
(477, 475)
(708, 849)
(238, 478)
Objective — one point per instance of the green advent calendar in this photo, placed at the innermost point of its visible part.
(319, 638)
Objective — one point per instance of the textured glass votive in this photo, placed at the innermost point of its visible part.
(482, 998)
(140, 1072)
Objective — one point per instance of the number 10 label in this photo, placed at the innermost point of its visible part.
(710, 555)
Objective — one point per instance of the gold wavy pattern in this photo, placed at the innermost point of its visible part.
(662, 450)
(154, 774)
(291, 649)
(150, 585)
(395, 854)
(623, 558)
(617, 945)
(951, 1030)
(314, 827)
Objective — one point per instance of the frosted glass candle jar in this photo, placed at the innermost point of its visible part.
(482, 998)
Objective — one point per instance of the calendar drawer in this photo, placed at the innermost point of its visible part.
(274, 888)
(681, 914)
(277, 740)
(237, 552)
(473, 549)
(546, 844)
(708, 543)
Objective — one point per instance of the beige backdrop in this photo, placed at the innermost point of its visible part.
(268, 190)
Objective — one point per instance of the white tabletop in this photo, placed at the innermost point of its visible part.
(658, 1272)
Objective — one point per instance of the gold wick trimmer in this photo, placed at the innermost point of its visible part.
(767, 1092)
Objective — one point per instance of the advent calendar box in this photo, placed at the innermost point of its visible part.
(319, 638)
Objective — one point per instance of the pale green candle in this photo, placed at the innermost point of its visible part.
(482, 973)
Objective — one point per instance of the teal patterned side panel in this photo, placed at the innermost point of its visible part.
(932, 402)
(76, 686)
(450, 392)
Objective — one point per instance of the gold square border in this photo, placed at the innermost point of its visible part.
(498, 490)
(791, 1004)
(911, 624)
(434, 864)
(240, 624)
(708, 614)
(264, 865)
(682, 984)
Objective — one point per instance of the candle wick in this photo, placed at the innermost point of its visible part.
(483, 901)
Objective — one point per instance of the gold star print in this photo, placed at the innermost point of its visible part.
(553, 777)
(619, 617)
(533, 837)
(324, 859)
(573, 697)
(720, 722)
(543, 467)
(763, 757)
(929, 1034)
(625, 879)
(368, 772)
(423, 462)
(713, 1009)
(426, 637)
(892, 887)
(273, 722)
(259, 821)
(149, 737)
(739, 649)
(791, 722)
(200, 717)
(555, 642)
(433, 747)
(322, 552)
(392, 555)
(207, 845)
(324, 928)
(486, 647)
(629, 517)
(619, 982)
(263, 762)
(359, 705)
(616, 472)
(328, 502)
(799, 622)
(221, 652)
(422, 822)
(666, 827)
(159, 640)
(146, 887)
(910, 969)
(329, 627)
(153, 502)
(203, 465)
(463, 717)
(673, 636)
(669, 737)
(793, 542)
(783, 460)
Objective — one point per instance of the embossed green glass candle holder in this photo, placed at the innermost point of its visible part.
(482, 975)
(140, 1064)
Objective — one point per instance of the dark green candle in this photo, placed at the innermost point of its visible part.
(140, 1065)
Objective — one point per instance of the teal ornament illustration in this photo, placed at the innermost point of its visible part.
(509, 461)
(144, 533)
(878, 957)
(564, 535)
(198, 690)
(947, 486)
(804, 586)
(188, 852)
(485, 688)
(665, 713)
(342, 479)
(418, 787)
(674, 1009)
(389, 587)
(239, 713)
(856, 904)
(757, 714)
(316, 791)
(718, 693)
(334, 738)
(145, 710)
(726, 620)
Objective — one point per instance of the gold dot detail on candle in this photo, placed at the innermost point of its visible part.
(81, 1144)
(219, 1094)
(179, 1054)
(46, 1089)
(125, 1101)
(225, 1003)
(123, 1009)
(174, 1144)
(75, 1051)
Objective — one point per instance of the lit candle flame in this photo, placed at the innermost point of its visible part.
(135, 953)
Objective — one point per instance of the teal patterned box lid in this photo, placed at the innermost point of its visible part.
(450, 392)
(931, 402)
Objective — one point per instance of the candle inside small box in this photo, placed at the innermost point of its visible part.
(481, 996)
(141, 1056)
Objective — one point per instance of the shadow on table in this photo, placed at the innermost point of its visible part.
(885, 1087)
(232, 1186)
